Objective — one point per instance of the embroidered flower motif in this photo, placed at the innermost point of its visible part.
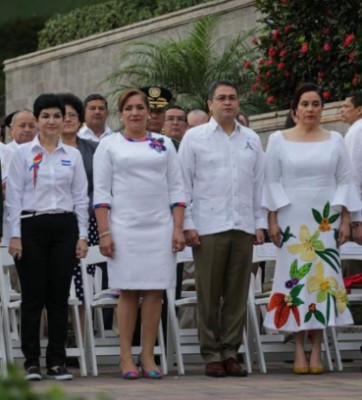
(324, 220)
(319, 283)
(284, 305)
(312, 307)
(312, 311)
(291, 283)
(341, 299)
(324, 226)
(157, 144)
(35, 166)
(308, 246)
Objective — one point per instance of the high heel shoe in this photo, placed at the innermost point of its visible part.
(130, 374)
(134, 374)
(316, 370)
(301, 370)
(149, 374)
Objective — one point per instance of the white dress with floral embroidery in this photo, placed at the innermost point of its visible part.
(139, 181)
(307, 183)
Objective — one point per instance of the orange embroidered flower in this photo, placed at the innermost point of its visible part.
(312, 307)
(283, 305)
(324, 225)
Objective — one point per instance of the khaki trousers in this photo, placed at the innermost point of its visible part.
(222, 271)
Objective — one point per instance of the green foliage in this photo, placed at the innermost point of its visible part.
(86, 21)
(15, 387)
(188, 66)
(16, 38)
(309, 41)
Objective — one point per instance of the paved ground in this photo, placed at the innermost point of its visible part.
(278, 383)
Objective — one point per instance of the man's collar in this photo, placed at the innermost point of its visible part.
(216, 126)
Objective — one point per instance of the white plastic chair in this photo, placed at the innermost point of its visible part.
(10, 302)
(3, 356)
(347, 344)
(103, 345)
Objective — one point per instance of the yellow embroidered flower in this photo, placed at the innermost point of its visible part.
(341, 299)
(321, 284)
(324, 225)
(308, 246)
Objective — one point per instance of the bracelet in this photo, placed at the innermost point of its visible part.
(83, 238)
(104, 234)
(356, 223)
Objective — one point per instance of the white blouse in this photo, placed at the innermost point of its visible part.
(43, 182)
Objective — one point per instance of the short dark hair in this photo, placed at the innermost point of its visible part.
(175, 107)
(356, 98)
(47, 100)
(125, 95)
(304, 88)
(94, 96)
(70, 99)
(216, 84)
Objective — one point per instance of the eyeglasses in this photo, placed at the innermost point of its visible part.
(175, 118)
(223, 97)
(71, 115)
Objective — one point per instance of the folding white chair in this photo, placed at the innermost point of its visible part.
(348, 340)
(270, 343)
(101, 344)
(185, 342)
(11, 301)
(3, 356)
(78, 350)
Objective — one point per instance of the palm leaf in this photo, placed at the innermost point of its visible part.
(188, 66)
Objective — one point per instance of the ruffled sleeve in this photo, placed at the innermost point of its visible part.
(274, 195)
(346, 192)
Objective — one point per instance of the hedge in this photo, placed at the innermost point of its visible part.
(89, 20)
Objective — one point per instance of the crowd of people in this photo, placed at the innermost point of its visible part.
(169, 179)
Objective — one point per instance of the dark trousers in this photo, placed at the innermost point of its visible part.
(45, 273)
(223, 269)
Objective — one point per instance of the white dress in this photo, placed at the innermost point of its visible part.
(139, 181)
(307, 183)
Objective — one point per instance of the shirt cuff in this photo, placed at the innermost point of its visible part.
(179, 204)
(102, 205)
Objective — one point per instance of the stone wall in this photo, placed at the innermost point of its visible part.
(83, 66)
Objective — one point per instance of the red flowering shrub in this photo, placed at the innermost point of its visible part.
(308, 41)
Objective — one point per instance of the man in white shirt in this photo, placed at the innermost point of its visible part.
(223, 168)
(196, 117)
(351, 113)
(96, 114)
(175, 124)
(22, 130)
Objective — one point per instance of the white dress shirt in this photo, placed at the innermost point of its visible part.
(7, 156)
(59, 184)
(88, 134)
(223, 177)
(2, 157)
(6, 159)
(353, 140)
